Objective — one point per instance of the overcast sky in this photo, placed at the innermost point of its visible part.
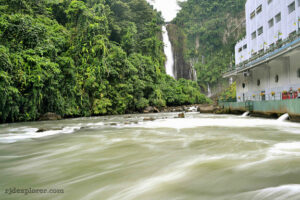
(169, 8)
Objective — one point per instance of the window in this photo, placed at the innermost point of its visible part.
(252, 15)
(244, 85)
(260, 31)
(245, 46)
(292, 7)
(298, 73)
(240, 49)
(298, 3)
(270, 1)
(278, 17)
(276, 79)
(271, 22)
(253, 35)
(258, 9)
(258, 82)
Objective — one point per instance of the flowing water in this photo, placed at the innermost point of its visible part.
(208, 91)
(207, 157)
(168, 52)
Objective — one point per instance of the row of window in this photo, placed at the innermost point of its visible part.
(243, 48)
(271, 21)
(260, 30)
(256, 12)
(291, 8)
(276, 79)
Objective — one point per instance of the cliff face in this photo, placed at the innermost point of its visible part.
(203, 36)
(182, 68)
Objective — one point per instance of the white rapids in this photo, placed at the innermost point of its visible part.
(154, 156)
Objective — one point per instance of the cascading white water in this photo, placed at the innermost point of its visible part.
(245, 114)
(168, 52)
(284, 117)
(208, 91)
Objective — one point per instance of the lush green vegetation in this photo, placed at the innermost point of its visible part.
(82, 58)
(229, 94)
(211, 28)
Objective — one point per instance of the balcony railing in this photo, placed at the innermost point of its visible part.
(266, 53)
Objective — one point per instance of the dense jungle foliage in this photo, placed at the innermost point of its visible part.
(82, 58)
(211, 29)
(229, 94)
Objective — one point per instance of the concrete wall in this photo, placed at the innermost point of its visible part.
(266, 107)
(280, 30)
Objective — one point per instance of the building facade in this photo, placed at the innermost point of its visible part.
(268, 58)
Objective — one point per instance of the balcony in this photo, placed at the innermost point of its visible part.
(278, 49)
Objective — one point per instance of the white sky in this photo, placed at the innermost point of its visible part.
(169, 8)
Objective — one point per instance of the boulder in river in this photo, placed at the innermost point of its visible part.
(50, 116)
(181, 115)
(149, 119)
(40, 130)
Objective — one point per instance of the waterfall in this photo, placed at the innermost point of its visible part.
(208, 91)
(284, 117)
(168, 52)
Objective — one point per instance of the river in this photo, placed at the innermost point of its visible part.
(202, 156)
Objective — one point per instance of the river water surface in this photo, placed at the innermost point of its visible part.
(207, 157)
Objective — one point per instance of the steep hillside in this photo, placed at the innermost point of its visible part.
(82, 58)
(211, 29)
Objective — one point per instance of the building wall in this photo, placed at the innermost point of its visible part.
(285, 67)
(280, 30)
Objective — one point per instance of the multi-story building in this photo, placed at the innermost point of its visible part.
(267, 60)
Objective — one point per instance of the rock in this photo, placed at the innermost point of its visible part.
(127, 123)
(148, 109)
(149, 119)
(181, 115)
(155, 110)
(207, 108)
(113, 124)
(40, 130)
(50, 116)
(151, 109)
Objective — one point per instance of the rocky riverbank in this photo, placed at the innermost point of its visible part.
(202, 108)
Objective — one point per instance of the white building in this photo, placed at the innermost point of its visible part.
(268, 58)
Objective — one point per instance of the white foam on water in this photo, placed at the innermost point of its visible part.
(31, 133)
(276, 152)
(291, 148)
(283, 192)
(193, 109)
(233, 122)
